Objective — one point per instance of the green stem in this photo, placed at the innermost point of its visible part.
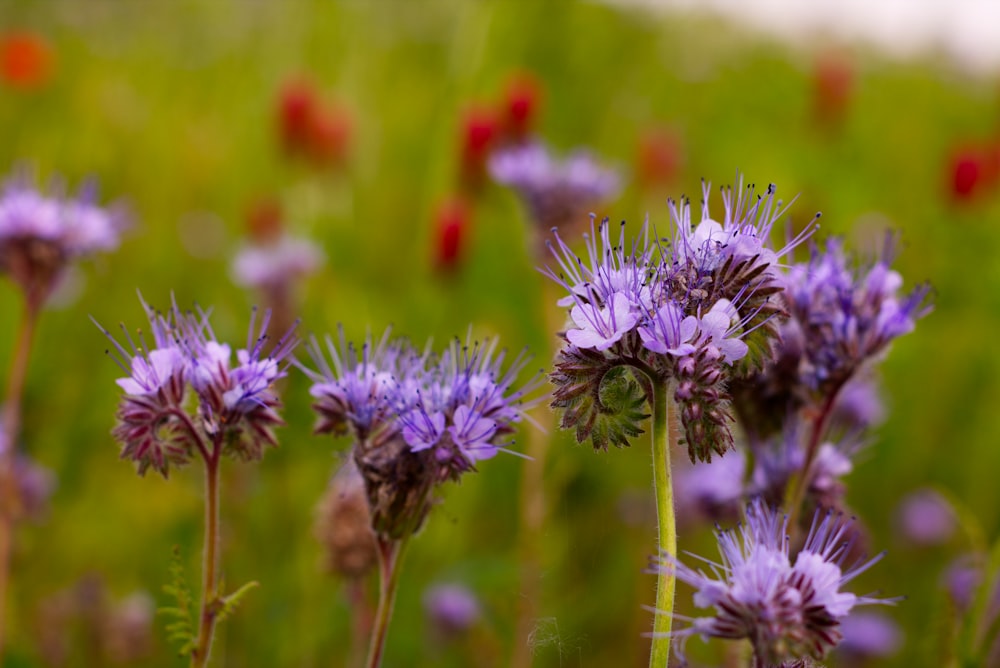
(10, 424)
(390, 554)
(663, 437)
(210, 565)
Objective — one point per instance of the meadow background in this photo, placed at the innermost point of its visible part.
(173, 109)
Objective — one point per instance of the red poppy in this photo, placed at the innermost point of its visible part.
(659, 157)
(521, 101)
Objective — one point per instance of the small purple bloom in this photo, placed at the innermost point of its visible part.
(711, 490)
(847, 315)
(869, 635)
(555, 191)
(275, 263)
(786, 609)
(669, 331)
(926, 518)
(451, 608)
(601, 328)
(40, 234)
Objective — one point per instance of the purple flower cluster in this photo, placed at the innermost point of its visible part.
(236, 404)
(695, 308)
(557, 192)
(847, 316)
(788, 609)
(417, 419)
(40, 234)
(276, 263)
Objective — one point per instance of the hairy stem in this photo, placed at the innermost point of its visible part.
(10, 424)
(664, 436)
(210, 565)
(799, 481)
(390, 554)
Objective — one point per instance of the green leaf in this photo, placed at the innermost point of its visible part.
(181, 629)
(227, 605)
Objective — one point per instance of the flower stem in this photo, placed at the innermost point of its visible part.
(663, 438)
(10, 424)
(799, 481)
(210, 566)
(390, 554)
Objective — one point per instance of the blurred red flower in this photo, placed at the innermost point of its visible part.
(309, 129)
(451, 221)
(659, 157)
(522, 98)
(479, 132)
(833, 87)
(973, 170)
(26, 60)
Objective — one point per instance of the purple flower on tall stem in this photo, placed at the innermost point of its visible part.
(418, 420)
(234, 415)
(788, 609)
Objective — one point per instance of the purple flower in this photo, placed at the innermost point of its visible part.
(353, 387)
(418, 420)
(555, 191)
(869, 635)
(787, 609)
(926, 518)
(40, 234)
(710, 490)
(464, 408)
(669, 332)
(276, 263)
(236, 404)
(847, 316)
(451, 608)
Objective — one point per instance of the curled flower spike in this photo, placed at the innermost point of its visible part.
(789, 610)
(236, 404)
(41, 234)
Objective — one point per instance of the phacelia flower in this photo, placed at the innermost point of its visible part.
(698, 308)
(417, 419)
(847, 316)
(868, 635)
(265, 266)
(236, 404)
(40, 234)
(789, 609)
(451, 608)
(710, 490)
(558, 193)
(926, 518)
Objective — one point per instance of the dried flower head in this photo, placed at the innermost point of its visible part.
(343, 524)
(789, 610)
(40, 234)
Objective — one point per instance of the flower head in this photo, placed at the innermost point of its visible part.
(847, 316)
(787, 608)
(276, 263)
(452, 608)
(40, 234)
(557, 192)
(236, 402)
(417, 419)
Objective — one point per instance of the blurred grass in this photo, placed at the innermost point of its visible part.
(172, 108)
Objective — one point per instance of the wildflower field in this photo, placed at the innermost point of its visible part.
(365, 166)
